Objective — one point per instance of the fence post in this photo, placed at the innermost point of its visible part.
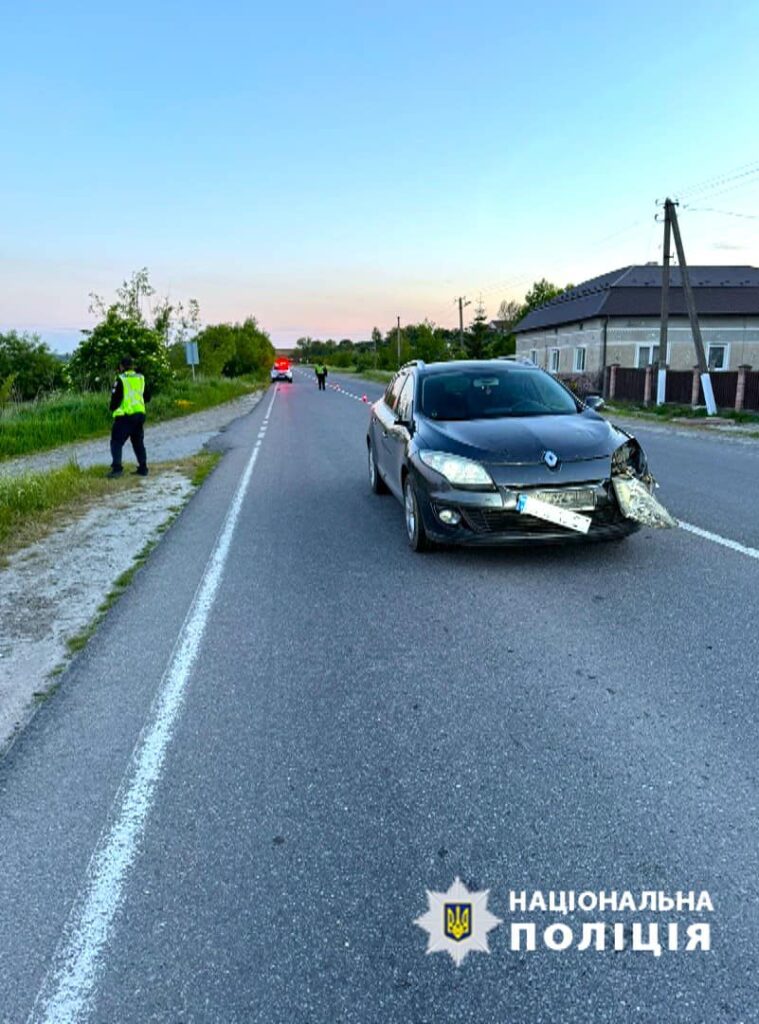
(648, 384)
(613, 379)
(740, 388)
(695, 386)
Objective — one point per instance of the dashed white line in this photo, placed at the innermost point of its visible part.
(67, 990)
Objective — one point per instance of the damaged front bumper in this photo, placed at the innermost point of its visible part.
(612, 506)
(492, 517)
(637, 502)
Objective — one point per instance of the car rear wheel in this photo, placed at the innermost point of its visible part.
(376, 482)
(417, 536)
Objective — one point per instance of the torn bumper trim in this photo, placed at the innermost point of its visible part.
(636, 502)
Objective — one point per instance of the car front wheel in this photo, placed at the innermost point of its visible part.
(417, 536)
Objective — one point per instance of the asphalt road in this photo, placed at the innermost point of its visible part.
(234, 805)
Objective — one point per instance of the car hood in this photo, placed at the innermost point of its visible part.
(523, 440)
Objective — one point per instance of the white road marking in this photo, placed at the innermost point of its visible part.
(67, 991)
(734, 545)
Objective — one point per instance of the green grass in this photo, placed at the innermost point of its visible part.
(60, 419)
(29, 502)
(202, 465)
(671, 411)
(378, 376)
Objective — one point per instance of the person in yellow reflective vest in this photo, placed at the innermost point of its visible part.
(321, 375)
(128, 397)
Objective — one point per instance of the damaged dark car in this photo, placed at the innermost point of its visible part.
(500, 452)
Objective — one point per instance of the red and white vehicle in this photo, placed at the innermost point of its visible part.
(282, 370)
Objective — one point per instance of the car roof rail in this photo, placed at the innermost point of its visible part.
(413, 362)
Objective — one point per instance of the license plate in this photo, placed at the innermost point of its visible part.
(532, 506)
(578, 500)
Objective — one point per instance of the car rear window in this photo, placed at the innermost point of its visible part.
(490, 394)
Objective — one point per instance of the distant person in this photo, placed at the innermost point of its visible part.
(128, 398)
(321, 376)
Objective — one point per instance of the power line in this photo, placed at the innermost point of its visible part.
(720, 186)
(724, 213)
(717, 179)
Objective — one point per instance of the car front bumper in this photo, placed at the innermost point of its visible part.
(491, 517)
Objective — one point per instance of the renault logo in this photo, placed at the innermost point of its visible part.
(551, 459)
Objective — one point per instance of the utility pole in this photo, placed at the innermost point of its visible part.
(661, 377)
(462, 302)
(399, 342)
(695, 327)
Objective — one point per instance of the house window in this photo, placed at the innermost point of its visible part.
(646, 355)
(578, 364)
(554, 361)
(534, 356)
(717, 357)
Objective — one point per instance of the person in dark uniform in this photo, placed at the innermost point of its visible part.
(321, 375)
(128, 397)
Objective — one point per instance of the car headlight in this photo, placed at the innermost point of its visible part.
(629, 458)
(457, 471)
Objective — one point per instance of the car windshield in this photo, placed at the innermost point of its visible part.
(474, 394)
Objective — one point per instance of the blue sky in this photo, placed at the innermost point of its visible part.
(327, 166)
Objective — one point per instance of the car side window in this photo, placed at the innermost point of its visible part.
(394, 390)
(405, 400)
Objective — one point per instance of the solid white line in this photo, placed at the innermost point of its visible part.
(67, 990)
(742, 549)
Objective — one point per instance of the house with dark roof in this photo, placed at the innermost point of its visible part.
(615, 319)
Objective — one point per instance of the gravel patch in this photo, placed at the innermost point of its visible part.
(51, 590)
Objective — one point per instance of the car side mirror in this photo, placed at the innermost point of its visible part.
(594, 402)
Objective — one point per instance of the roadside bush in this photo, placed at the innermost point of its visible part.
(235, 349)
(93, 365)
(29, 365)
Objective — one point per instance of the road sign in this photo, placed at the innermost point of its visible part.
(191, 353)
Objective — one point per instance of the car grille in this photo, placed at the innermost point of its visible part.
(485, 520)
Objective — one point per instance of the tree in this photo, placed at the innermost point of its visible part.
(94, 364)
(253, 350)
(29, 365)
(541, 292)
(478, 335)
(504, 342)
(235, 349)
(126, 330)
(303, 354)
(509, 313)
